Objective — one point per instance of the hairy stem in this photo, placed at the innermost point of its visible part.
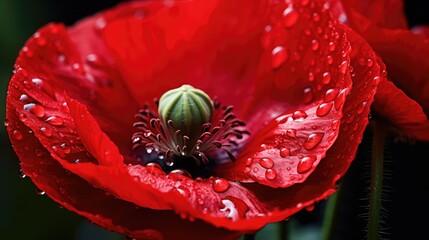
(375, 197)
(330, 217)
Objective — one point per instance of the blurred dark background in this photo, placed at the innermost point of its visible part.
(26, 215)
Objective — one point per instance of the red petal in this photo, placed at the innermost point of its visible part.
(53, 63)
(323, 181)
(98, 206)
(406, 115)
(203, 43)
(304, 91)
(421, 30)
(383, 13)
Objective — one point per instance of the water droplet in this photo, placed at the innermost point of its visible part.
(330, 95)
(23, 98)
(40, 192)
(58, 151)
(310, 76)
(35, 109)
(169, 162)
(331, 46)
(305, 164)
(55, 121)
(46, 132)
(313, 140)
(182, 190)
(78, 68)
(290, 17)
(266, 162)
(100, 23)
(22, 117)
(314, 45)
(200, 201)
(291, 132)
(41, 41)
(329, 59)
(38, 82)
(316, 17)
(220, 185)
(270, 174)
(181, 172)
(154, 168)
(284, 152)
(6, 122)
(326, 78)
(21, 174)
(343, 67)
(308, 95)
(324, 109)
(340, 99)
(255, 169)
(234, 207)
(17, 135)
(335, 124)
(310, 208)
(246, 170)
(66, 149)
(299, 116)
(361, 107)
(278, 56)
(249, 161)
(376, 80)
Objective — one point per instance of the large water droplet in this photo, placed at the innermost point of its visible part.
(313, 140)
(284, 152)
(324, 109)
(291, 132)
(340, 99)
(305, 164)
(234, 207)
(21, 174)
(270, 174)
(266, 162)
(331, 46)
(326, 78)
(23, 98)
(299, 115)
(290, 17)
(38, 82)
(55, 121)
(330, 95)
(154, 168)
(220, 185)
(40, 192)
(361, 107)
(35, 109)
(278, 56)
(343, 67)
(182, 190)
(308, 95)
(181, 172)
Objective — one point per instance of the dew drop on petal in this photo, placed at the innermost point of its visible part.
(291, 132)
(330, 95)
(220, 185)
(331, 46)
(343, 67)
(266, 162)
(182, 190)
(299, 115)
(278, 56)
(66, 149)
(55, 121)
(310, 76)
(339, 101)
(324, 109)
(361, 107)
(326, 78)
(313, 140)
(23, 98)
(154, 168)
(46, 132)
(21, 174)
(35, 109)
(270, 174)
(308, 95)
(315, 45)
(290, 17)
(305, 164)
(284, 152)
(40, 192)
(17, 135)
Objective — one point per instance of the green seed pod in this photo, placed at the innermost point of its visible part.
(189, 108)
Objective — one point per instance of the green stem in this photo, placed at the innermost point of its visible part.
(284, 230)
(375, 197)
(330, 217)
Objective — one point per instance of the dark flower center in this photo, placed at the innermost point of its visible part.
(188, 135)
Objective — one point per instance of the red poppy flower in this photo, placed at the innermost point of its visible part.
(83, 121)
(402, 98)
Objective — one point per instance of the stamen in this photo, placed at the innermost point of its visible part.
(218, 136)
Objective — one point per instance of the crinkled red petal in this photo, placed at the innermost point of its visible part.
(96, 205)
(211, 44)
(383, 13)
(55, 60)
(405, 55)
(303, 82)
(323, 181)
(404, 114)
